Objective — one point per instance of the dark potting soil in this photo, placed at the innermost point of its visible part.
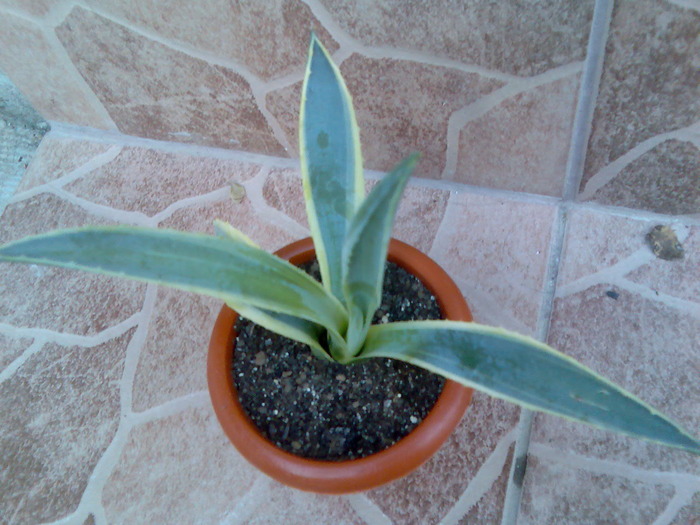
(323, 410)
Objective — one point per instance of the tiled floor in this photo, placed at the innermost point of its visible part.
(554, 137)
(103, 387)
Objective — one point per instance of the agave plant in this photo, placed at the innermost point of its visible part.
(351, 233)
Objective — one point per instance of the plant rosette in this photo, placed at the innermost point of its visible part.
(351, 233)
(340, 477)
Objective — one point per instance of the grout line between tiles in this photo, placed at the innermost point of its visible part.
(592, 72)
(588, 94)
(67, 339)
(81, 171)
(681, 498)
(480, 107)
(687, 4)
(482, 481)
(367, 509)
(640, 215)
(511, 502)
(91, 499)
(607, 467)
(610, 171)
(71, 131)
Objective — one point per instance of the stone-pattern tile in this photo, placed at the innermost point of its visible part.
(650, 86)
(489, 509)
(690, 514)
(269, 38)
(523, 143)
(627, 340)
(60, 411)
(284, 192)
(35, 7)
(50, 84)
(555, 493)
(419, 216)
(413, 118)
(154, 91)
(242, 215)
(502, 36)
(173, 359)
(57, 157)
(605, 241)
(665, 179)
(179, 469)
(617, 308)
(496, 250)
(417, 221)
(284, 505)
(35, 296)
(426, 495)
(11, 349)
(148, 180)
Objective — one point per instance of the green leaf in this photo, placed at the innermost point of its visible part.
(286, 325)
(331, 161)
(224, 268)
(365, 250)
(525, 371)
(224, 230)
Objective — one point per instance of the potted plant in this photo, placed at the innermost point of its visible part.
(351, 235)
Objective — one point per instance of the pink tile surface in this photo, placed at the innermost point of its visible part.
(281, 504)
(496, 250)
(58, 157)
(626, 339)
(12, 348)
(150, 69)
(168, 95)
(38, 7)
(152, 481)
(489, 509)
(523, 143)
(626, 314)
(420, 215)
(60, 412)
(558, 494)
(242, 215)
(173, 358)
(505, 36)
(238, 31)
(675, 278)
(49, 81)
(283, 191)
(432, 491)
(690, 513)
(35, 296)
(129, 182)
(413, 119)
(665, 179)
(649, 88)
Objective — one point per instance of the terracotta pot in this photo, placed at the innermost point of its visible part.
(339, 477)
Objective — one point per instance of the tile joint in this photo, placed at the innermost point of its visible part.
(592, 72)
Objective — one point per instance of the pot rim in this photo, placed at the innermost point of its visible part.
(340, 477)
